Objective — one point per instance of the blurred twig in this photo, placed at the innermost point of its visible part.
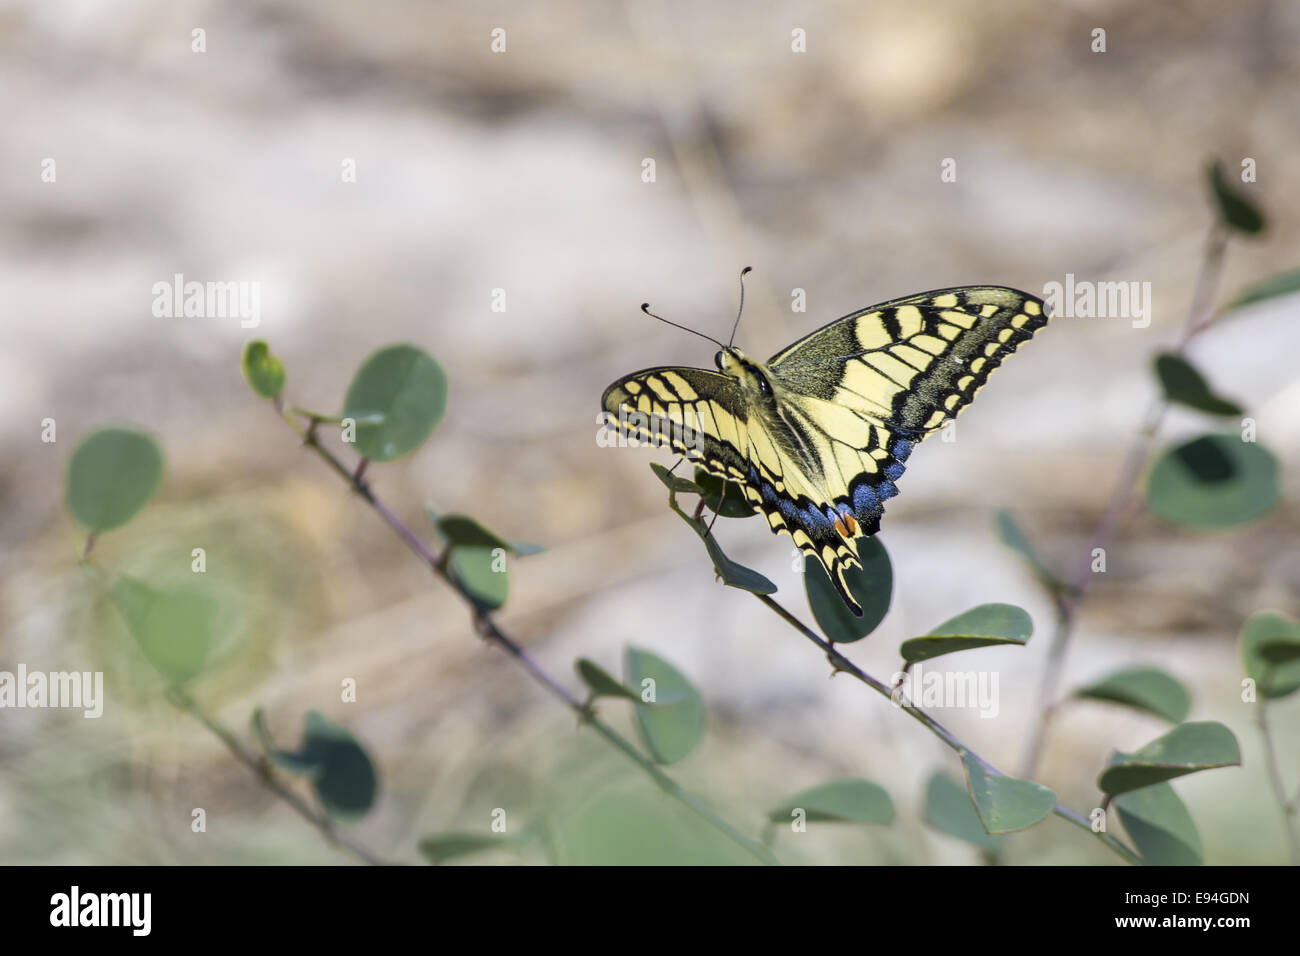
(1123, 498)
(487, 627)
(842, 663)
(1288, 806)
(262, 770)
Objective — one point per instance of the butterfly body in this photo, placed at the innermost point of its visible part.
(817, 436)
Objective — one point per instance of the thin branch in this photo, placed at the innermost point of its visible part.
(1271, 761)
(262, 770)
(485, 624)
(842, 663)
(1123, 497)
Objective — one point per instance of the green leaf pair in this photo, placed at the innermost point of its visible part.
(396, 398)
(1153, 814)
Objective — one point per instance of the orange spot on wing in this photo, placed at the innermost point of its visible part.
(847, 526)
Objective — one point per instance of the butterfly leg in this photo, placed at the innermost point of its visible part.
(721, 499)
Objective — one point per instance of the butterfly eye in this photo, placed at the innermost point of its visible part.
(717, 360)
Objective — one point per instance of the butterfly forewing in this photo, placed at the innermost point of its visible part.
(698, 414)
(912, 362)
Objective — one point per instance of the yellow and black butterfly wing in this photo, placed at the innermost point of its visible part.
(821, 473)
(911, 363)
(859, 393)
(705, 417)
(700, 415)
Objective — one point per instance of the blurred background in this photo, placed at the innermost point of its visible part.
(523, 171)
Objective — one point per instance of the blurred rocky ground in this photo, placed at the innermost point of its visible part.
(522, 171)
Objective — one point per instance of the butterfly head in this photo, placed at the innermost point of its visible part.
(751, 376)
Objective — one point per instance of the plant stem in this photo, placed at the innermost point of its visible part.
(487, 626)
(1271, 761)
(1123, 497)
(842, 663)
(262, 771)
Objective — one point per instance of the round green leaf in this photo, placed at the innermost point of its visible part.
(840, 801)
(1160, 827)
(176, 629)
(111, 475)
(723, 497)
(345, 781)
(1235, 210)
(408, 389)
(1267, 646)
(483, 572)
(600, 682)
(1182, 383)
(673, 722)
(872, 585)
(1143, 688)
(337, 765)
(981, 626)
(948, 808)
(1214, 481)
(1005, 803)
(262, 371)
(1200, 745)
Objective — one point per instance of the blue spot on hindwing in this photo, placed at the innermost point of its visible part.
(865, 501)
(815, 520)
(894, 470)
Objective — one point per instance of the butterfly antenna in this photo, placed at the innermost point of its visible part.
(735, 325)
(645, 307)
